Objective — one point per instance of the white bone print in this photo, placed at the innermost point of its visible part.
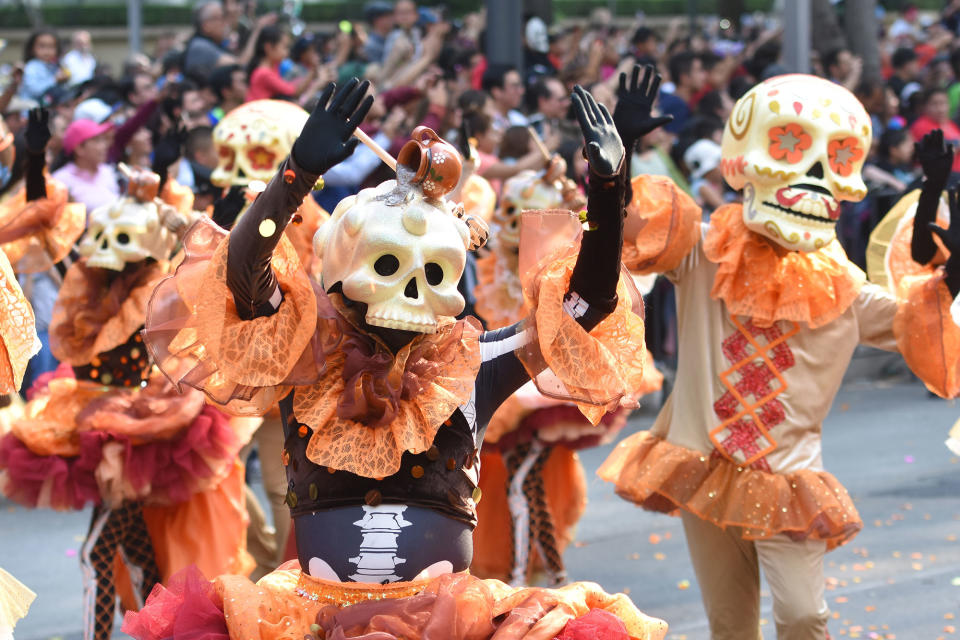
(380, 527)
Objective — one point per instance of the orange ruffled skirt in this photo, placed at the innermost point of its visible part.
(664, 477)
(289, 605)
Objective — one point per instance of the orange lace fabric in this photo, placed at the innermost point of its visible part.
(98, 310)
(365, 408)
(499, 293)
(36, 235)
(601, 370)
(758, 279)
(455, 606)
(18, 334)
(926, 334)
(662, 226)
(661, 476)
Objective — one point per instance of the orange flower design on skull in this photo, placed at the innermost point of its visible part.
(789, 142)
(844, 154)
(261, 158)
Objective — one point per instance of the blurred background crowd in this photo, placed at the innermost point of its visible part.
(428, 67)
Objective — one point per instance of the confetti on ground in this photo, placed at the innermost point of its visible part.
(683, 585)
(71, 553)
(955, 582)
(916, 566)
(659, 556)
(949, 616)
(869, 608)
(654, 538)
(908, 459)
(840, 599)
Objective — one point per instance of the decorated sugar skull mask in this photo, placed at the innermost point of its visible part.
(528, 190)
(796, 145)
(130, 228)
(253, 139)
(402, 255)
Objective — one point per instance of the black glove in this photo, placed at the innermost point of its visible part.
(635, 105)
(36, 137)
(951, 240)
(327, 137)
(324, 141)
(597, 270)
(166, 150)
(936, 158)
(228, 207)
(632, 114)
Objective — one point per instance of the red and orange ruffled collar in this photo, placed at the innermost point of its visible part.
(759, 279)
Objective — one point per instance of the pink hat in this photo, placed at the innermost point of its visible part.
(80, 131)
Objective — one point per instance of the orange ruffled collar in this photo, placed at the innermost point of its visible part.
(765, 282)
(36, 235)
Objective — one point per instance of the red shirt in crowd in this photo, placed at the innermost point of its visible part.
(951, 133)
(266, 83)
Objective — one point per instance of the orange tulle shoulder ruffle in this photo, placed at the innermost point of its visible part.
(664, 477)
(36, 235)
(247, 366)
(662, 225)
(600, 370)
(926, 334)
(98, 310)
(18, 333)
(285, 604)
(760, 280)
(499, 294)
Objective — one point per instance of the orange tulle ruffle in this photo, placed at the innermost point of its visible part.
(600, 370)
(98, 310)
(926, 334)
(662, 225)
(758, 279)
(18, 333)
(499, 294)
(36, 235)
(451, 607)
(664, 477)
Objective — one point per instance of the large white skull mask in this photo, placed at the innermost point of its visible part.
(127, 230)
(403, 259)
(253, 139)
(796, 145)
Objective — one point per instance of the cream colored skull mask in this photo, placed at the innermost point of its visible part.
(126, 230)
(795, 145)
(526, 191)
(402, 258)
(253, 139)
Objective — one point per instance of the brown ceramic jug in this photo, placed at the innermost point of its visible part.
(435, 162)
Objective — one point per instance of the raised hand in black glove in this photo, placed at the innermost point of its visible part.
(936, 158)
(228, 207)
(597, 270)
(36, 137)
(327, 137)
(635, 98)
(166, 150)
(602, 144)
(324, 141)
(951, 240)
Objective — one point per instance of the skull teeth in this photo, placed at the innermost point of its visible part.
(393, 322)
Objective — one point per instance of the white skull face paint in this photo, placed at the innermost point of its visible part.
(380, 527)
(399, 253)
(796, 145)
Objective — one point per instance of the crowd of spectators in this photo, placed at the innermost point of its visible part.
(427, 67)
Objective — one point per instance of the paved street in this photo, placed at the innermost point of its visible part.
(900, 578)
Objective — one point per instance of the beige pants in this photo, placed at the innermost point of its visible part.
(728, 571)
(267, 545)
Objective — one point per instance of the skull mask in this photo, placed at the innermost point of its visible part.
(253, 139)
(402, 259)
(796, 145)
(129, 229)
(528, 190)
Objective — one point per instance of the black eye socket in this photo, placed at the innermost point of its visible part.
(123, 238)
(511, 210)
(434, 273)
(386, 265)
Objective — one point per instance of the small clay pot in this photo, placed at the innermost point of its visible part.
(435, 162)
(143, 185)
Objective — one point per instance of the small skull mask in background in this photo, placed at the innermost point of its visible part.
(403, 259)
(253, 139)
(796, 145)
(528, 191)
(126, 230)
